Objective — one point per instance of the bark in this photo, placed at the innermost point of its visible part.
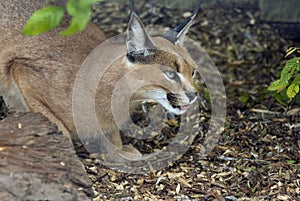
(38, 162)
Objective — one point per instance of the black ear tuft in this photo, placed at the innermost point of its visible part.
(177, 34)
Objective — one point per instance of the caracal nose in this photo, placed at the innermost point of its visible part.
(191, 96)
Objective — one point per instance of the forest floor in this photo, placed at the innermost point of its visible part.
(258, 154)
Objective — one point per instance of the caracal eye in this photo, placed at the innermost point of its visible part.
(194, 73)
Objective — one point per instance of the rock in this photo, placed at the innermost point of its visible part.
(38, 162)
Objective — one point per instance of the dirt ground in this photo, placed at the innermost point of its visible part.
(258, 154)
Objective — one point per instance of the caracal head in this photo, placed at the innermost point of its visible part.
(165, 63)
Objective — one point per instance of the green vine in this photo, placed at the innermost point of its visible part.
(286, 88)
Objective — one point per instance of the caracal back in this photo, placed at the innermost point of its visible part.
(37, 73)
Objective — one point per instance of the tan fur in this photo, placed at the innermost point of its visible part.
(38, 73)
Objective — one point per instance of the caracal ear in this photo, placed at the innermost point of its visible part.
(138, 41)
(177, 35)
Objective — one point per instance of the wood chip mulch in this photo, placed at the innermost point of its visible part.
(258, 154)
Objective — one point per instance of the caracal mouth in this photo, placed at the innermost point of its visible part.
(177, 109)
(185, 107)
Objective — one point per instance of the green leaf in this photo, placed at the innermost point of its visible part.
(207, 95)
(289, 68)
(291, 162)
(278, 85)
(292, 90)
(280, 99)
(244, 97)
(297, 99)
(81, 11)
(43, 20)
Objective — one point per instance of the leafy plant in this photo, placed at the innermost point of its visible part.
(49, 17)
(287, 87)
